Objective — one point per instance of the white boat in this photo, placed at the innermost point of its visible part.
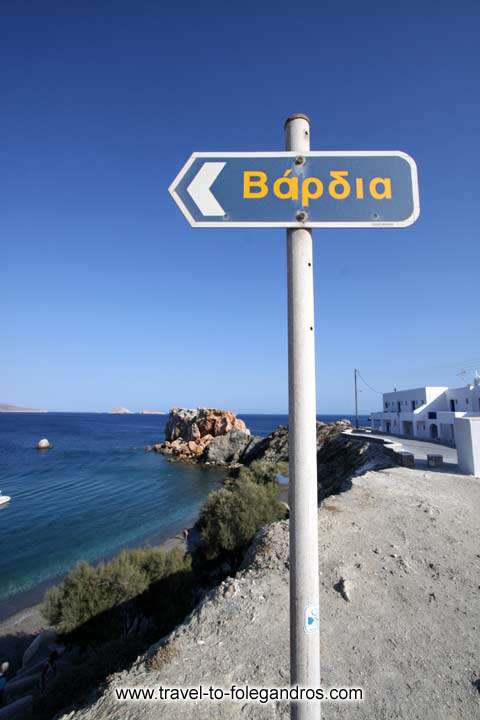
(4, 499)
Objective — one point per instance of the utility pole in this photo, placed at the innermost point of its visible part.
(302, 438)
(356, 397)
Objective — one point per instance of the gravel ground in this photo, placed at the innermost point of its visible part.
(407, 544)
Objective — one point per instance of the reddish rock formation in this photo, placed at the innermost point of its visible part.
(188, 433)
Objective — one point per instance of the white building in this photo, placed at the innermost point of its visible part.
(429, 412)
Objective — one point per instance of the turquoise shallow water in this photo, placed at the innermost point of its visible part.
(95, 492)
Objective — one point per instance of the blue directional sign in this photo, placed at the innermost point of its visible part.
(285, 189)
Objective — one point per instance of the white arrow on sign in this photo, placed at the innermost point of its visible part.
(199, 189)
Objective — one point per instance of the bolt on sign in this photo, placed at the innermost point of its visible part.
(284, 189)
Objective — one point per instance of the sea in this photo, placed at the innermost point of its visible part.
(96, 492)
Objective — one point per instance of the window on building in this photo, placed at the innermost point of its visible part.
(466, 400)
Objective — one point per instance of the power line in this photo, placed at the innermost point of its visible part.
(369, 386)
(466, 364)
(463, 371)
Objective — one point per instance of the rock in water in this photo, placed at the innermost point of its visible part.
(219, 437)
(190, 424)
(190, 432)
(44, 444)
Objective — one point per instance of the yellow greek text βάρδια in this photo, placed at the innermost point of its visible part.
(339, 187)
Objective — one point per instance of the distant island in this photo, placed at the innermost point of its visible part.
(126, 411)
(4, 407)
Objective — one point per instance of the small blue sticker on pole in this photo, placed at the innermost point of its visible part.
(311, 618)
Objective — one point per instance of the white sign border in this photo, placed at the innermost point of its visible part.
(316, 224)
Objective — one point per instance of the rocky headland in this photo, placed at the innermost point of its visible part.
(219, 437)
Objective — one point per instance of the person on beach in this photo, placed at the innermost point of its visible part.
(49, 669)
(3, 682)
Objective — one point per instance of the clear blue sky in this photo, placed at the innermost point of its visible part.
(109, 298)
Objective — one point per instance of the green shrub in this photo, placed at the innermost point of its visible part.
(156, 563)
(170, 596)
(262, 472)
(95, 608)
(103, 601)
(231, 516)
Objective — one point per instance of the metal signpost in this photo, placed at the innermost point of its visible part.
(298, 190)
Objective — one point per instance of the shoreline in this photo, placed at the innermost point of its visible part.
(20, 615)
(25, 599)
